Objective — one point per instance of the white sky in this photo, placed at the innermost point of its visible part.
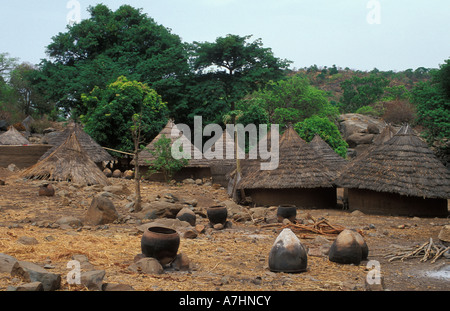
(411, 33)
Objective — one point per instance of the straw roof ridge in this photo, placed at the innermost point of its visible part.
(92, 148)
(403, 165)
(332, 160)
(13, 137)
(299, 167)
(68, 162)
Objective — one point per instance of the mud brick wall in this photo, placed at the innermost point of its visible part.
(22, 156)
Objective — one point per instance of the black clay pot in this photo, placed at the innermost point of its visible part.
(160, 243)
(347, 249)
(217, 214)
(286, 211)
(288, 254)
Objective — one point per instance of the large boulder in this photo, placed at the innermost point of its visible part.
(30, 272)
(101, 211)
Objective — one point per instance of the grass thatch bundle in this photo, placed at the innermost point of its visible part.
(403, 165)
(13, 138)
(298, 167)
(93, 149)
(335, 163)
(69, 162)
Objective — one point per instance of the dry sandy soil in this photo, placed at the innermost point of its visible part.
(233, 259)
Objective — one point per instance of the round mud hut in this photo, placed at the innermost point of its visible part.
(301, 178)
(399, 177)
(68, 162)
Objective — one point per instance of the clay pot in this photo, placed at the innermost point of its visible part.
(286, 211)
(107, 172)
(186, 214)
(348, 248)
(288, 254)
(46, 190)
(161, 243)
(217, 214)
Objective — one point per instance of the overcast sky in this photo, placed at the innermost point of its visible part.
(359, 34)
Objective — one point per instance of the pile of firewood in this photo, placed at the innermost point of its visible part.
(426, 251)
(312, 225)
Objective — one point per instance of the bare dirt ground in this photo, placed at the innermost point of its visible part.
(232, 259)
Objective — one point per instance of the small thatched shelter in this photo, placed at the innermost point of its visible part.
(335, 163)
(12, 137)
(300, 179)
(196, 168)
(69, 162)
(91, 147)
(401, 176)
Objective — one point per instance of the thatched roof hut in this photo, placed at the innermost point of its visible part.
(335, 163)
(300, 178)
(92, 148)
(403, 169)
(12, 137)
(68, 162)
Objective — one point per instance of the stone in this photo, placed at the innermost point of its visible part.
(147, 265)
(12, 167)
(128, 174)
(27, 240)
(186, 214)
(198, 181)
(161, 209)
(359, 139)
(288, 254)
(101, 211)
(117, 174)
(116, 189)
(46, 190)
(6, 263)
(69, 221)
(181, 262)
(444, 235)
(93, 279)
(110, 287)
(30, 272)
(200, 228)
(189, 181)
(30, 287)
(190, 234)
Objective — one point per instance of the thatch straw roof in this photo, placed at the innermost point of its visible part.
(335, 163)
(403, 165)
(13, 138)
(146, 156)
(92, 148)
(298, 167)
(69, 162)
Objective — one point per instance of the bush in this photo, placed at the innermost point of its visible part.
(398, 112)
(326, 129)
(368, 111)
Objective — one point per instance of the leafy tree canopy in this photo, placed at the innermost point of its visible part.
(111, 110)
(107, 45)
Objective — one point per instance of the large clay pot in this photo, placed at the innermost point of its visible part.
(217, 214)
(286, 211)
(46, 190)
(161, 243)
(288, 254)
(348, 248)
(186, 214)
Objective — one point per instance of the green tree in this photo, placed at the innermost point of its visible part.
(362, 91)
(292, 100)
(164, 162)
(326, 129)
(111, 110)
(109, 44)
(236, 66)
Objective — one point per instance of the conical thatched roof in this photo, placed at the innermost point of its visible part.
(92, 148)
(298, 167)
(69, 162)
(13, 137)
(335, 163)
(403, 165)
(146, 156)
